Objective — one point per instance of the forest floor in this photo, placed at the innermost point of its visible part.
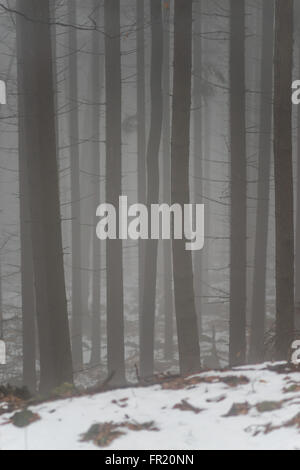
(254, 407)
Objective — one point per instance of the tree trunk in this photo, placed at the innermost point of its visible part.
(114, 255)
(297, 242)
(167, 245)
(53, 7)
(284, 177)
(27, 278)
(75, 193)
(188, 340)
(262, 215)
(238, 241)
(149, 290)
(97, 84)
(35, 85)
(208, 195)
(198, 154)
(141, 134)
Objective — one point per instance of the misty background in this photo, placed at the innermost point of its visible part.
(80, 45)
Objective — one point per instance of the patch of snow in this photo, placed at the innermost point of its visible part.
(64, 422)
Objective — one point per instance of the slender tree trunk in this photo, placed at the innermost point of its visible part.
(141, 134)
(149, 290)
(167, 245)
(35, 85)
(284, 177)
(206, 190)
(198, 154)
(237, 347)
(114, 255)
(188, 340)
(97, 83)
(262, 215)
(297, 242)
(297, 253)
(75, 193)
(54, 67)
(27, 278)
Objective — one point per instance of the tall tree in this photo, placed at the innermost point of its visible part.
(27, 272)
(188, 340)
(167, 248)
(297, 231)
(75, 191)
(27, 276)
(141, 132)
(167, 245)
(97, 84)
(114, 254)
(198, 154)
(35, 85)
(283, 65)
(150, 276)
(238, 240)
(263, 190)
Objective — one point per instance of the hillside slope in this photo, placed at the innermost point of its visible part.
(247, 408)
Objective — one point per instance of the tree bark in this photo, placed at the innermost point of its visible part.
(283, 64)
(238, 240)
(297, 241)
(168, 300)
(188, 340)
(97, 84)
(35, 85)
(27, 277)
(141, 134)
(150, 276)
(114, 255)
(198, 154)
(75, 193)
(263, 191)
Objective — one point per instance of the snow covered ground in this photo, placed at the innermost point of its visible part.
(248, 408)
